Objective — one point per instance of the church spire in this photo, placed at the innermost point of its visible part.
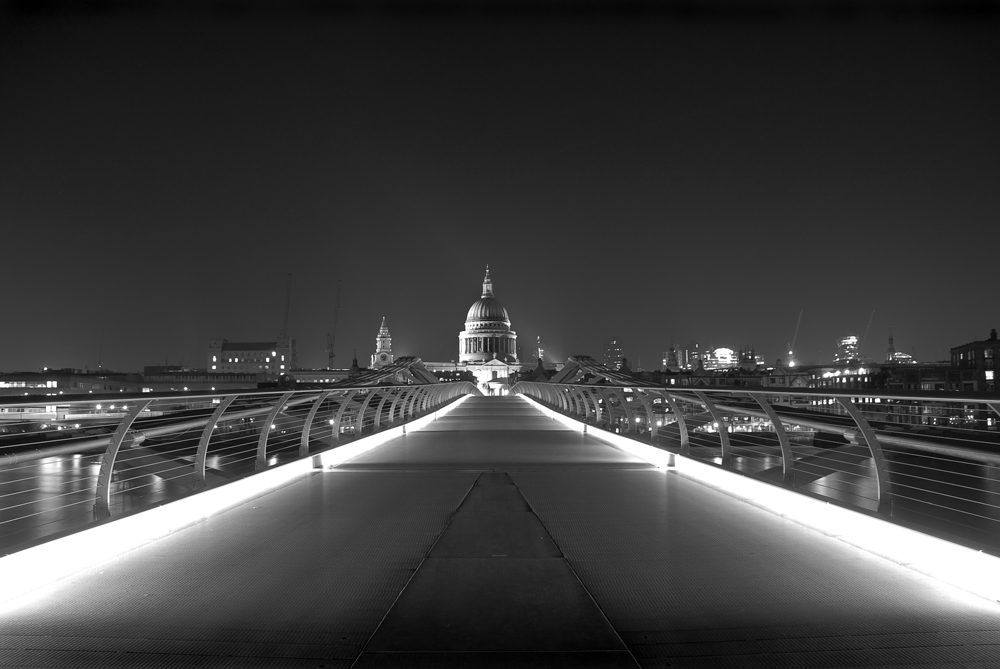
(487, 283)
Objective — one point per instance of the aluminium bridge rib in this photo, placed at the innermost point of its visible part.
(496, 537)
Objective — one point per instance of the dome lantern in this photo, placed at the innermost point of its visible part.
(487, 283)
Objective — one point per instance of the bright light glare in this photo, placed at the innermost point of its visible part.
(961, 567)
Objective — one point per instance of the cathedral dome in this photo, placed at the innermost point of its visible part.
(487, 336)
(487, 309)
(487, 312)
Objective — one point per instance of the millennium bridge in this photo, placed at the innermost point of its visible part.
(587, 521)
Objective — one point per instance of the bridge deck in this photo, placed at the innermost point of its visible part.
(496, 538)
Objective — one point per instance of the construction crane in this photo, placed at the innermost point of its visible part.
(862, 349)
(288, 301)
(331, 336)
(791, 346)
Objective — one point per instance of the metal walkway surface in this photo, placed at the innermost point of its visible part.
(495, 537)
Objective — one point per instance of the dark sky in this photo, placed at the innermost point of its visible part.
(652, 175)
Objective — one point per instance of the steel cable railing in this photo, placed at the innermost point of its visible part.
(931, 460)
(66, 462)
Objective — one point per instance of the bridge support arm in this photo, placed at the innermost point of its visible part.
(787, 460)
(681, 425)
(629, 425)
(102, 505)
(206, 435)
(306, 428)
(582, 405)
(261, 462)
(881, 470)
(641, 397)
(727, 456)
(361, 412)
(345, 402)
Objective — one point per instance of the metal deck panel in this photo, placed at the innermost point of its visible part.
(495, 450)
(494, 433)
(495, 535)
(524, 598)
(692, 577)
(687, 575)
(487, 660)
(307, 570)
(495, 604)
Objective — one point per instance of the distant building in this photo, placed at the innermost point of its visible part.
(691, 356)
(319, 376)
(897, 357)
(980, 356)
(930, 376)
(613, 353)
(382, 357)
(452, 375)
(671, 359)
(487, 347)
(749, 360)
(56, 382)
(720, 358)
(540, 348)
(847, 349)
(271, 358)
(487, 335)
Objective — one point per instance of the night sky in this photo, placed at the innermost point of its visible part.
(652, 175)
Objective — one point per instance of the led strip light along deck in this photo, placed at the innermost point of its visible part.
(964, 568)
(36, 571)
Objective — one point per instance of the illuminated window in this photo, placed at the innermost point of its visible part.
(274, 353)
(214, 359)
(282, 366)
(989, 374)
(213, 366)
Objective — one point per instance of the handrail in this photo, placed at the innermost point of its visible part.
(907, 455)
(153, 448)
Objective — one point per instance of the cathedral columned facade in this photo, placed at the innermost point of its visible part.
(487, 347)
(487, 334)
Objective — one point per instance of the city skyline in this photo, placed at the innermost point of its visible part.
(655, 177)
(311, 347)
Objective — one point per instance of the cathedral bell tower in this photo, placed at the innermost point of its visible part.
(383, 347)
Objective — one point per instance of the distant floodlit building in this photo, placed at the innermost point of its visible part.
(272, 358)
(487, 347)
(721, 358)
(847, 349)
(487, 334)
(382, 356)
